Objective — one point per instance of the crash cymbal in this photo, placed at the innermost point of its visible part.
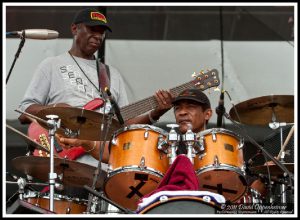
(27, 139)
(274, 169)
(259, 111)
(70, 173)
(84, 123)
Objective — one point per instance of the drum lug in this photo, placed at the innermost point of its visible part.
(202, 143)
(114, 141)
(146, 134)
(216, 161)
(243, 168)
(214, 137)
(142, 163)
(68, 211)
(109, 169)
(201, 156)
(241, 144)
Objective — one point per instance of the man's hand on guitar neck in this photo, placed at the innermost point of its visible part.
(164, 103)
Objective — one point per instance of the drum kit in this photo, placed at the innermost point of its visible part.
(140, 156)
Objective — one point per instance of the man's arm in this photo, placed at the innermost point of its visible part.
(35, 108)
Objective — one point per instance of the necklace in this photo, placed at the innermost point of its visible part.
(97, 66)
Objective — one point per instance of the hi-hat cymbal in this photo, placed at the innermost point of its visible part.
(259, 111)
(85, 123)
(70, 173)
(28, 140)
(274, 169)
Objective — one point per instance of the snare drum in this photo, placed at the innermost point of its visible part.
(220, 166)
(135, 165)
(181, 205)
(62, 204)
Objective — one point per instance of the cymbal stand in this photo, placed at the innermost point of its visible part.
(265, 153)
(54, 123)
(274, 125)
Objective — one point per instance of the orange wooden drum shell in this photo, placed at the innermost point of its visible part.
(132, 146)
(60, 206)
(131, 149)
(228, 176)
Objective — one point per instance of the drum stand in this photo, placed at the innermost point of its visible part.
(274, 125)
(287, 173)
(22, 185)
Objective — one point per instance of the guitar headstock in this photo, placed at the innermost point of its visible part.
(204, 80)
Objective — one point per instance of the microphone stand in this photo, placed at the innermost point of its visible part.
(266, 153)
(17, 54)
(220, 110)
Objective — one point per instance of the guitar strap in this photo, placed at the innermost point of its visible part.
(104, 81)
(104, 76)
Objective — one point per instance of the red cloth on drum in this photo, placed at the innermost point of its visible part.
(180, 176)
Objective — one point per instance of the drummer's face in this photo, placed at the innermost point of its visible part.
(190, 112)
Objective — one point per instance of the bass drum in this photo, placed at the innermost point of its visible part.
(181, 205)
(135, 165)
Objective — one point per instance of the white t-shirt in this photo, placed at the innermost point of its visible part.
(60, 80)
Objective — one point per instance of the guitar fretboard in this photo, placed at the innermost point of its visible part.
(203, 81)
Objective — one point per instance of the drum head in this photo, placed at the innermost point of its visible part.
(181, 205)
(126, 188)
(230, 184)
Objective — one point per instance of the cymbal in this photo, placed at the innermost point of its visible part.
(259, 111)
(274, 169)
(28, 140)
(70, 173)
(87, 124)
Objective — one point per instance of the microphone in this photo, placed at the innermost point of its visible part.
(39, 34)
(220, 110)
(115, 106)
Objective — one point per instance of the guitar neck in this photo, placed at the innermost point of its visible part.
(147, 104)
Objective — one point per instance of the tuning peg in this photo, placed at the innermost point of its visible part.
(194, 75)
(197, 84)
(217, 89)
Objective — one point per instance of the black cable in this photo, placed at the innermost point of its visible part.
(222, 48)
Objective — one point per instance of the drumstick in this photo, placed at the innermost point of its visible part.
(286, 141)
